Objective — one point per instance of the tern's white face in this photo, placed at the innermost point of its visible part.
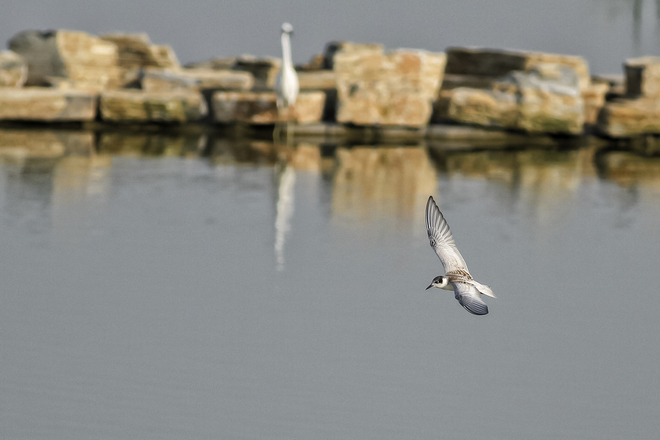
(439, 282)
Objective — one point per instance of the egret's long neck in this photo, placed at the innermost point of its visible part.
(286, 50)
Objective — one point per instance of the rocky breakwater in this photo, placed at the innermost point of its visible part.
(530, 91)
(63, 76)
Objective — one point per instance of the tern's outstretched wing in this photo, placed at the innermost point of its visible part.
(469, 297)
(441, 239)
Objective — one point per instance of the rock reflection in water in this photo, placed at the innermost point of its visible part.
(630, 170)
(390, 181)
(151, 144)
(544, 181)
(62, 167)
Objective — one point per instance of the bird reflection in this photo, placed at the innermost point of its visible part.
(284, 212)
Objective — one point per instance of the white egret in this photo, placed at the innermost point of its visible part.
(286, 86)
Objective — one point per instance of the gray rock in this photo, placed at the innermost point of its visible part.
(88, 61)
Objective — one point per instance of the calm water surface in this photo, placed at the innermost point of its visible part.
(252, 291)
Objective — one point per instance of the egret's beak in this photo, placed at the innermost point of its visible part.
(430, 285)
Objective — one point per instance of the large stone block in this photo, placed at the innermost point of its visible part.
(261, 108)
(89, 62)
(544, 99)
(496, 63)
(481, 107)
(317, 80)
(13, 69)
(394, 88)
(152, 107)
(630, 117)
(44, 104)
(643, 77)
(136, 51)
(263, 70)
(159, 80)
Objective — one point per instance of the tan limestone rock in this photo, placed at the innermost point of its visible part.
(135, 51)
(160, 80)
(481, 107)
(223, 63)
(630, 117)
(88, 61)
(317, 80)
(544, 99)
(44, 104)
(594, 100)
(261, 108)
(378, 88)
(144, 107)
(13, 69)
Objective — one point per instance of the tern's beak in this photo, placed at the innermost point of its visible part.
(430, 285)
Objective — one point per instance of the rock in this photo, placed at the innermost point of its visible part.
(394, 88)
(264, 70)
(317, 80)
(480, 107)
(496, 63)
(544, 99)
(13, 69)
(332, 48)
(643, 77)
(44, 104)
(226, 63)
(261, 107)
(159, 80)
(549, 99)
(136, 50)
(485, 69)
(630, 117)
(594, 100)
(315, 63)
(152, 107)
(164, 56)
(453, 81)
(88, 61)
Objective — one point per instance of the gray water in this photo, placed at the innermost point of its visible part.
(605, 32)
(150, 290)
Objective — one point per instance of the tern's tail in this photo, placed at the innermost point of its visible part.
(485, 290)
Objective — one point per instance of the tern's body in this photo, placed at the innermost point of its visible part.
(466, 289)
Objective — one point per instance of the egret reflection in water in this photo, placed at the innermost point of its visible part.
(283, 211)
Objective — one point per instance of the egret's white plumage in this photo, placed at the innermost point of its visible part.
(466, 290)
(286, 85)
